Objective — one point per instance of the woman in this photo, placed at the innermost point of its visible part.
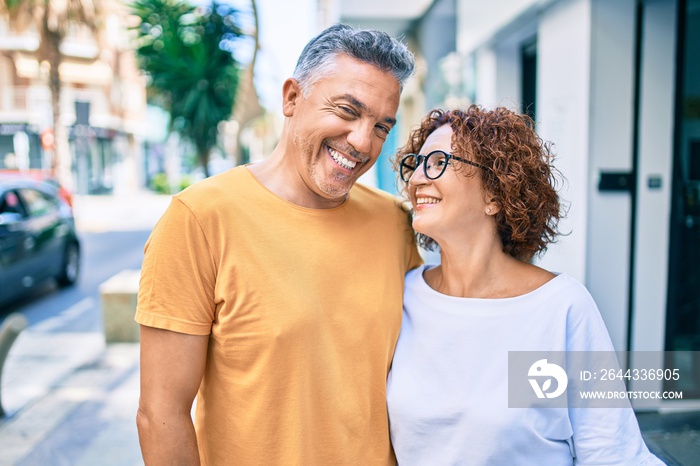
(482, 188)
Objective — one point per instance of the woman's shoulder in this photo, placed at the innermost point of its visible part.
(415, 276)
(572, 290)
(541, 282)
(524, 278)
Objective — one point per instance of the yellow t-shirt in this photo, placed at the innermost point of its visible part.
(303, 307)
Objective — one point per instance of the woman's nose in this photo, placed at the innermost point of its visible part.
(418, 176)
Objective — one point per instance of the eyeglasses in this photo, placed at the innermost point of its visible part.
(434, 164)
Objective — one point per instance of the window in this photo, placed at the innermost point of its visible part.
(10, 204)
(38, 203)
(528, 61)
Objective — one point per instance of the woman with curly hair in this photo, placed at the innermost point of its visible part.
(482, 188)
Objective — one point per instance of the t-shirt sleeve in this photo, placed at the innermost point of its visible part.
(414, 259)
(178, 275)
(601, 435)
(411, 254)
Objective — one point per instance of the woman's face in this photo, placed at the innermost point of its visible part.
(453, 205)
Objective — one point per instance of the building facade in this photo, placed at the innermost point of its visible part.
(103, 103)
(615, 86)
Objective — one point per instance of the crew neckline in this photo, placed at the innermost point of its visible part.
(546, 288)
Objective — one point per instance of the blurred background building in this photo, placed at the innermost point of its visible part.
(614, 84)
(103, 102)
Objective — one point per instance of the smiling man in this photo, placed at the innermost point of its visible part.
(272, 292)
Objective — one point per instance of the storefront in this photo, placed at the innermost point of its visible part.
(94, 158)
(20, 146)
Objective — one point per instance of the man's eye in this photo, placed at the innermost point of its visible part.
(382, 130)
(348, 111)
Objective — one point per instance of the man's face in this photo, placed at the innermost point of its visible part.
(338, 129)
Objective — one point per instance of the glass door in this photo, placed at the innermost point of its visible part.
(683, 309)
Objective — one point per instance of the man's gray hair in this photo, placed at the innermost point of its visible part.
(366, 45)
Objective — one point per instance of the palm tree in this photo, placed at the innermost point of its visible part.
(248, 105)
(53, 20)
(187, 53)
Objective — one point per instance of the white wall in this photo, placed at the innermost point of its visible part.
(486, 72)
(611, 132)
(479, 21)
(509, 76)
(7, 88)
(498, 76)
(656, 123)
(498, 66)
(563, 70)
(655, 158)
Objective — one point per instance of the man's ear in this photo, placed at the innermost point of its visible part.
(291, 92)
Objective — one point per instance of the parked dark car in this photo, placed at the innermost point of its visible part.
(39, 175)
(38, 240)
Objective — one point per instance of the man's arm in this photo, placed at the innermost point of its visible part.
(172, 365)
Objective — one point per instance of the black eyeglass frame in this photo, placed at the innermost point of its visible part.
(421, 159)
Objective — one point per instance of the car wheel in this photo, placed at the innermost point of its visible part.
(71, 265)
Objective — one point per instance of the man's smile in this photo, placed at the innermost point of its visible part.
(341, 159)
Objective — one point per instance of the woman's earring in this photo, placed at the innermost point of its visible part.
(488, 211)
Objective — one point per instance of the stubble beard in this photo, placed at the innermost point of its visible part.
(312, 158)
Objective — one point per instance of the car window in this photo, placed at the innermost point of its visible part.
(38, 203)
(10, 204)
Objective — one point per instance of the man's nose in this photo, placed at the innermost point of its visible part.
(361, 138)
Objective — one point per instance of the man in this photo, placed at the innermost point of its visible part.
(273, 291)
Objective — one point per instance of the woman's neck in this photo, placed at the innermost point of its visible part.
(468, 270)
(480, 269)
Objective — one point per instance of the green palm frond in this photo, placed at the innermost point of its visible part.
(183, 50)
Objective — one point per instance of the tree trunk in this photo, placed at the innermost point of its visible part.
(203, 158)
(249, 78)
(61, 160)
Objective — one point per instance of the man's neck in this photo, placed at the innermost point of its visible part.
(282, 179)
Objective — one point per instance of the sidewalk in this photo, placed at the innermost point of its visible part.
(120, 212)
(70, 400)
(673, 437)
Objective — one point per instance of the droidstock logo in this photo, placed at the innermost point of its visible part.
(543, 371)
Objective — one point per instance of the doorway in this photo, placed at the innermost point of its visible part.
(683, 307)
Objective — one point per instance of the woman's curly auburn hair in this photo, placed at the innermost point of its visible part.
(518, 172)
